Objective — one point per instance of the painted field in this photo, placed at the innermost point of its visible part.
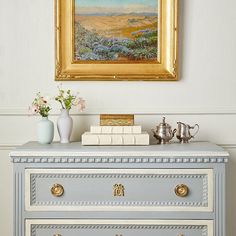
(117, 26)
(117, 30)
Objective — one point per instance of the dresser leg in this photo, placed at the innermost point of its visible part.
(18, 223)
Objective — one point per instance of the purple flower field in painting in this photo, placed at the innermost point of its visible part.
(119, 34)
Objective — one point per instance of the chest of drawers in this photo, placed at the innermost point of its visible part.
(71, 190)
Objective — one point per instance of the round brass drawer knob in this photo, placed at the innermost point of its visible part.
(57, 190)
(181, 190)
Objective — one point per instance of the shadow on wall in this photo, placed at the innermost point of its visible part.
(81, 124)
(181, 36)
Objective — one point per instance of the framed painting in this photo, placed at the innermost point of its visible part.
(116, 40)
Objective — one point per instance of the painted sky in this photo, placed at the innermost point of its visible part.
(115, 6)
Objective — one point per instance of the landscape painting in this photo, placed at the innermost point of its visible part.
(116, 30)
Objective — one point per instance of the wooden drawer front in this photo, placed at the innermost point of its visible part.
(116, 189)
(118, 228)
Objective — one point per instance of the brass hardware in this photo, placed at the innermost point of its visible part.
(60, 235)
(118, 190)
(181, 190)
(57, 190)
(180, 235)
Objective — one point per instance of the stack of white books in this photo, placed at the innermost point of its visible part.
(115, 135)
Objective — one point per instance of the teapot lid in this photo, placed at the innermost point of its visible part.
(164, 123)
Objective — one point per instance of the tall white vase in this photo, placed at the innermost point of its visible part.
(45, 131)
(64, 126)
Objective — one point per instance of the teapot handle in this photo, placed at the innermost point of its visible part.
(193, 127)
(173, 132)
(154, 133)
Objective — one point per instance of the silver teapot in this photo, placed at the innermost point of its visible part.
(183, 132)
(163, 133)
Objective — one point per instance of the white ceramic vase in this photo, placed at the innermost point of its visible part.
(45, 131)
(64, 126)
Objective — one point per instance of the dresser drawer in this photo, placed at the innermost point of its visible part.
(119, 190)
(118, 228)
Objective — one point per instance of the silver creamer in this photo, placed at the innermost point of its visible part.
(183, 132)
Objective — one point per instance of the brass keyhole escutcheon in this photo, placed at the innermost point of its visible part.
(57, 235)
(57, 190)
(181, 190)
(118, 190)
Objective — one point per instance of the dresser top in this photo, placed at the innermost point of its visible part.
(75, 149)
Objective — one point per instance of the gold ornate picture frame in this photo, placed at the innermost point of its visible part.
(145, 49)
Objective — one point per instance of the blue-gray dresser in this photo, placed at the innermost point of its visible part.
(157, 190)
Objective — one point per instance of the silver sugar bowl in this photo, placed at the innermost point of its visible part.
(163, 132)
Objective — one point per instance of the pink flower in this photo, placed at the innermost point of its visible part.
(81, 104)
(40, 106)
(35, 108)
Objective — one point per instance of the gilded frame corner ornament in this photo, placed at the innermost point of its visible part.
(165, 69)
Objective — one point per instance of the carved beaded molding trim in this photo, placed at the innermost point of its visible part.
(170, 227)
(203, 228)
(203, 203)
(104, 176)
(205, 191)
(15, 154)
(151, 160)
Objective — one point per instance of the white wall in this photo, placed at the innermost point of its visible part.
(205, 93)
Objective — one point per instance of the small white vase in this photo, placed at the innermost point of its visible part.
(45, 131)
(64, 126)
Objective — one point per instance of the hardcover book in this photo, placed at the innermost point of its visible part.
(116, 120)
(115, 139)
(116, 129)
